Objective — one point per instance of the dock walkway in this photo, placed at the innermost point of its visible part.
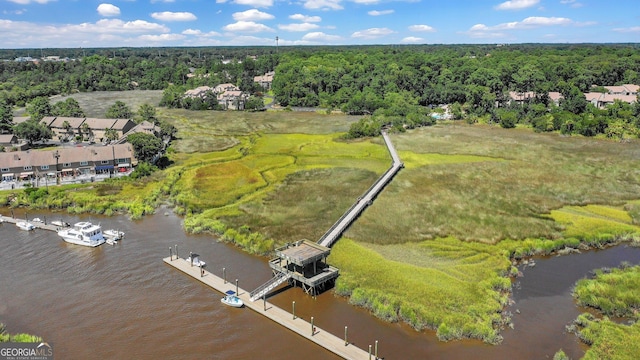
(36, 224)
(298, 325)
(332, 235)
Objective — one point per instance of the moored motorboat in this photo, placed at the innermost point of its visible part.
(83, 233)
(194, 260)
(37, 220)
(231, 299)
(112, 234)
(25, 225)
(60, 223)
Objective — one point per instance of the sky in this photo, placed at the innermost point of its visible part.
(135, 23)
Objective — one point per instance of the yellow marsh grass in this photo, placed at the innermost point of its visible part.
(428, 284)
(490, 201)
(589, 221)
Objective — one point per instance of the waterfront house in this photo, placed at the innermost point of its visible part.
(66, 161)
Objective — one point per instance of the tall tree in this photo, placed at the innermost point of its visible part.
(145, 146)
(6, 117)
(32, 131)
(39, 108)
(119, 110)
(69, 107)
(147, 112)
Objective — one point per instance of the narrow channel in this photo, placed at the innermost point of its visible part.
(122, 301)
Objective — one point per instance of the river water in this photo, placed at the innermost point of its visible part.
(123, 302)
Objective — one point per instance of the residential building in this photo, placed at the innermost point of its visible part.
(66, 161)
(265, 80)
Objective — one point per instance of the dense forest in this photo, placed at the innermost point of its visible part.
(395, 85)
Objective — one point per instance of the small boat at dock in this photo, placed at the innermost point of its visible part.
(25, 225)
(114, 235)
(231, 299)
(196, 260)
(60, 223)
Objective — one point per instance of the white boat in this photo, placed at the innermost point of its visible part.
(114, 235)
(25, 225)
(37, 220)
(83, 233)
(196, 260)
(111, 241)
(231, 299)
(60, 223)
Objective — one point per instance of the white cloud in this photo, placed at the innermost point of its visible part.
(246, 26)
(305, 18)
(573, 3)
(323, 4)
(372, 33)
(105, 32)
(528, 23)
(423, 28)
(298, 27)
(192, 32)
(251, 40)
(517, 4)
(381, 12)
(26, 2)
(253, 3)
(161, 37)
(199, 33)
(366, 2)
(412, 40)
(321, 37)
(118, 26)
(633, 29)
(173, 16)
(253, 14)
(108, 10)
(15, 12)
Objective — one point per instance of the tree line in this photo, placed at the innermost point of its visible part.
(395, 85)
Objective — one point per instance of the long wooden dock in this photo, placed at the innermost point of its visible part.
(36, 224)
(333, 234)
(298, 325)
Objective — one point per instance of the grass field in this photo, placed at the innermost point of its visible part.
(435, 248)
(95, 104)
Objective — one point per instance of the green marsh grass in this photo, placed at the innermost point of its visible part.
(435, 248)
(612, 292)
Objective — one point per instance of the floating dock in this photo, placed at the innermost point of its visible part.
(298, 325)
(36, 224)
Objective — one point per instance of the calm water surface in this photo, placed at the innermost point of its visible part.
(122, 302)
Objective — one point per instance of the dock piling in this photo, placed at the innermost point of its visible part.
(264, 301)
(369, 352)
(224, 275)
(176, 248)
(170, 254)
(375, 354)
(191, 258)
(313, 328)
(346, 342)
(237, 287)
(294, 310)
